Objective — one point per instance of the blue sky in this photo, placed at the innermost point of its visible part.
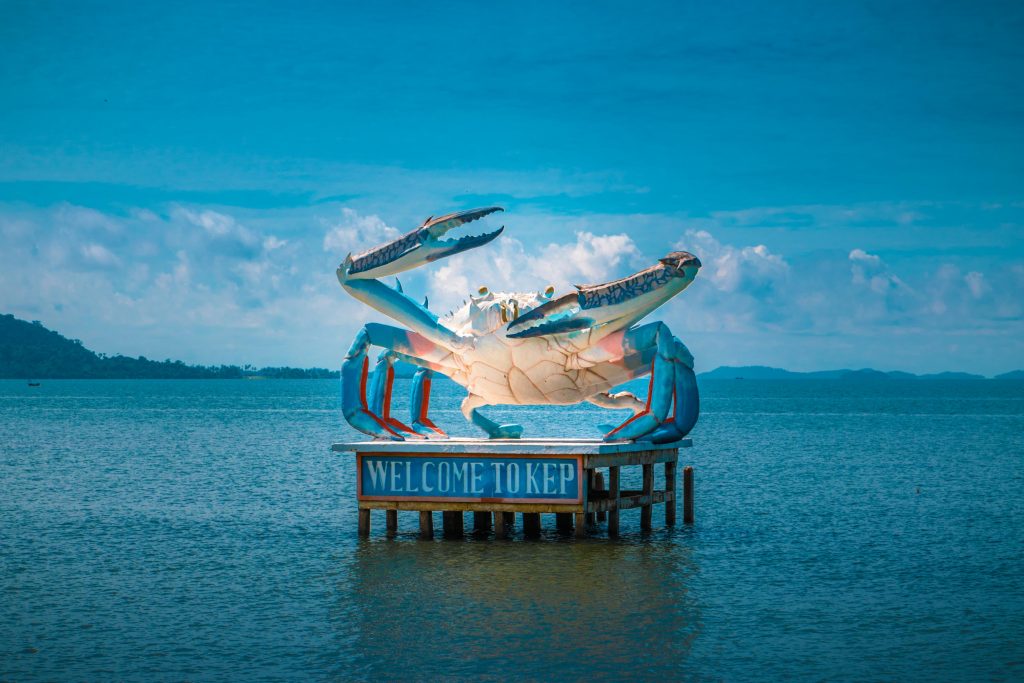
(181, 180)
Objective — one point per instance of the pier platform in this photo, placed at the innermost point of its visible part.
(494, 479)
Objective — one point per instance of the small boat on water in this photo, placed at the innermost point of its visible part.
(33, 384)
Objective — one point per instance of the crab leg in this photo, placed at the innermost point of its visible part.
(672, 382)
(686, 399)
(381, 384)
(372, 417)
(470, 409)
(420, 404)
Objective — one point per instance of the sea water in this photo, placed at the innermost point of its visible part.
(203, 531)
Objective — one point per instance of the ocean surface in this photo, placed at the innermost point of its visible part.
(203, 531)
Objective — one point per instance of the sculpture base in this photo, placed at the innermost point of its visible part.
(497, 478)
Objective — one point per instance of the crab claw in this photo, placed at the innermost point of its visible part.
(422, 245)
(619, 303)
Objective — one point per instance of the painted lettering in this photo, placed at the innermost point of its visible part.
(444, 475)
(477, 469)
(408, 478)
(532, 485)
(460, 476)
(512, 480)
(549, 478)
(565, 472)
(497, 477)
(378, 473)
(427, 488)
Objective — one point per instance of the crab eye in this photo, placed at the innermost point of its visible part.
(483, 290)
(548, 291)
(504, 313)
(515, 309)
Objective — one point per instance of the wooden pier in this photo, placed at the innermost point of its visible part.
(498, 479)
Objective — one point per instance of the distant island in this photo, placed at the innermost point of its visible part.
(28, 350)
(866, 374)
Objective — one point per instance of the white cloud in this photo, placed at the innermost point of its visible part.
(99, 255)
(355, 233)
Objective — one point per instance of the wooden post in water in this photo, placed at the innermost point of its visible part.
(648, 492)
(391, 523)
(452, 524)
(500, 530)
(688, 495)
(364, 523)
(563, 521)
(510, 521)
(613, 499)
(599, 485)
(531, 524)
(581, 525)
(670, 493)
(426, 525)
(591, 485)
(481, 522)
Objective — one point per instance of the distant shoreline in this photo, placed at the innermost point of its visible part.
(30, 351)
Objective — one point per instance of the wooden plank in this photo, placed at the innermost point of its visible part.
(645, 510)
(364, 522)
(613, 501)
(467, 507)
(688, 495)
(426, 525)
(648, 457)
(563, 521)
(481, 522)
(500, 531)
(391, 523)
(602, 515)
(670, 485)
(591, 447)
(628, 500)
(531, 524)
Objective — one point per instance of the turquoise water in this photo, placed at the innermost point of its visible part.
(162, 530)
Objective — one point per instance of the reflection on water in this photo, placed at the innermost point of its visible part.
(568, 609)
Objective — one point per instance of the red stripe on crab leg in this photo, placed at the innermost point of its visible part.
(363, 408)
(421, 404)
(386, 408)
(645, 411)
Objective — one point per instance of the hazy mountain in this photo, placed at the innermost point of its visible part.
(863, 375)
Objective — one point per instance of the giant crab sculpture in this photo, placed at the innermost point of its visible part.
(518, 348)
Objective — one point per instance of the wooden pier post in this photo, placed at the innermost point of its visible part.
(648, 493)
(510, 521)
(581, 524)
(613, 501)
(531, 524)
(591, 486)
(426, 525)
(500, 530)
(670, 493)
(481, 522)
(688, 495)
(364, 522)
(599, 486)
(563, 521)
(391, 523)
(452, 524)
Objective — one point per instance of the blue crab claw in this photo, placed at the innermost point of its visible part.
(619, 303)
(422, 245)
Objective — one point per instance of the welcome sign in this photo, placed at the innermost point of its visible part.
(470, 478)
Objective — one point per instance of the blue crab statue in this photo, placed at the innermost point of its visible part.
(518, 348)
